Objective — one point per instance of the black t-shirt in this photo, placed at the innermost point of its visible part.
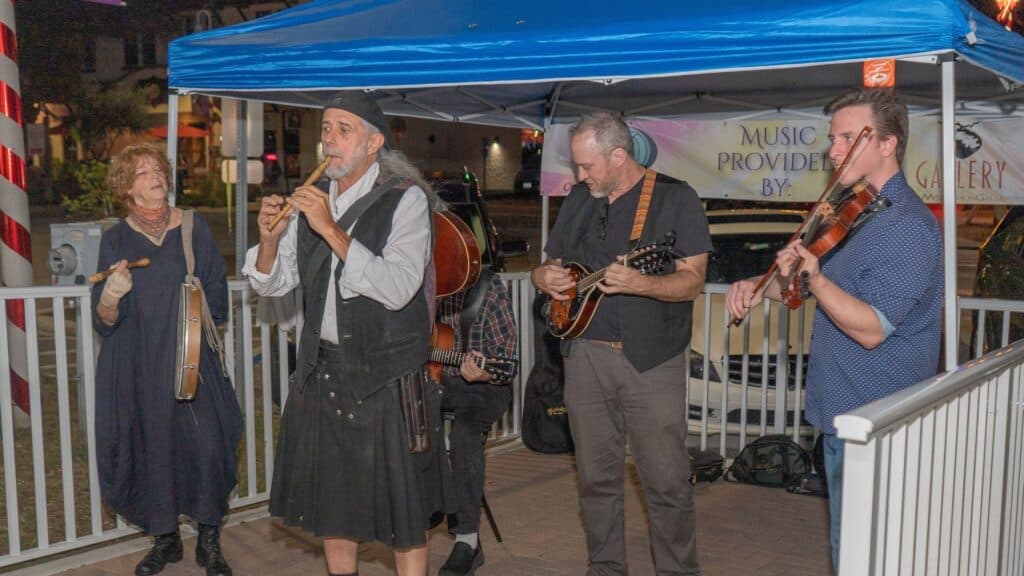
(606, 237)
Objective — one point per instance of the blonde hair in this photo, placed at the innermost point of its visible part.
(121, 176)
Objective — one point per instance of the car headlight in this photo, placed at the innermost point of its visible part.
(697, 368)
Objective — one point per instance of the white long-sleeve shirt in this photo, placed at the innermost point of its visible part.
(391, 279)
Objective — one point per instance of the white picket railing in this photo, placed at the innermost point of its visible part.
(57, 447)
(932, 479)
(738, 408)
(51, 501)
(987, 324)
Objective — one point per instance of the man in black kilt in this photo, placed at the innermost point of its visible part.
(360, 250)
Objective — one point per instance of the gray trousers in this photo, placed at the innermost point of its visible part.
(608, 399)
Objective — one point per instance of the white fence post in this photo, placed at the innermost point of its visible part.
(932, 482)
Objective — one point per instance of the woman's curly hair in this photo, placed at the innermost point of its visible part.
(121, 176)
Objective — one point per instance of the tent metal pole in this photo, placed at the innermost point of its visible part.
(172, 147)
(545, 212)
(545, 200)
(241, 186)
(951, 321)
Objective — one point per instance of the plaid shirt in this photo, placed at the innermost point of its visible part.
(493, 332)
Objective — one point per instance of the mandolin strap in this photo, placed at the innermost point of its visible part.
(641, 209)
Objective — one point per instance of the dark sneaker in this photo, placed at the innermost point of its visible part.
(166, 549)
(463, 561)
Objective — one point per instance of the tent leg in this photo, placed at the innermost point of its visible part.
(545, 213)
(950, 317)
(172, 146)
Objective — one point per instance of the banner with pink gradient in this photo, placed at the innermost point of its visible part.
(787, 159)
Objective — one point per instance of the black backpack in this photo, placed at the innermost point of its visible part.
(813, 483)
(545, 418)
(773, 460)
(706, 466)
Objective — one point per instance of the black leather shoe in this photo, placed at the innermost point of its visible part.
(166, 549)
(463, 561)
(208, 554)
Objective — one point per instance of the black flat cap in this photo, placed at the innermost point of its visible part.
(363, 105)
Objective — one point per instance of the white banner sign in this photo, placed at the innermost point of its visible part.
(787, 160)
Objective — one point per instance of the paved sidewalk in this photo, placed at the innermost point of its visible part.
(741, 530)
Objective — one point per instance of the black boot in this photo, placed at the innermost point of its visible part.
(208, 552)
(166, 549)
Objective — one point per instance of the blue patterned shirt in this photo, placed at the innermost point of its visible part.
(893, 263)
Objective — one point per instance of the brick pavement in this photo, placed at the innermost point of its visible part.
(741, 530)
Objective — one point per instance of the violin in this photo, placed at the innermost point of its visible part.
(837, 213)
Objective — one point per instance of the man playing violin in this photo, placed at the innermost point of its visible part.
(625, 372)
(361, 252)
(879, 294)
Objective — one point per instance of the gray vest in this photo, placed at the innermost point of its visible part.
(652, 331)
(379, 345)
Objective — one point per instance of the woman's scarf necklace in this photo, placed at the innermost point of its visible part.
(151, 221)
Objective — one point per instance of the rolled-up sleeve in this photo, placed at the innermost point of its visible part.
(394, 277)
(284, 275)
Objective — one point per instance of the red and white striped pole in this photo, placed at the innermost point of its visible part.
(16, 247)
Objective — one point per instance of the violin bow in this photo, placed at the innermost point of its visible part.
(773, 270)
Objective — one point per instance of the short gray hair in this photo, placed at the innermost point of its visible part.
(610, 132)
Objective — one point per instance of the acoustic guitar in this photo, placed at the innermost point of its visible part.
(443, 353)
(570, 318)
(456, 254)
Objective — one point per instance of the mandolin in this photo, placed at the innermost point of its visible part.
(570, 318)
(443, 353)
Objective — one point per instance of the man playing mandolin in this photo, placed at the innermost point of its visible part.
(360, 252)
(625, 370)
(879, 295)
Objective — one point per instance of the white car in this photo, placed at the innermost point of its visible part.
(745, 243)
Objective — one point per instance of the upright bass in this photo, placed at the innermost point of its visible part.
(456, 262)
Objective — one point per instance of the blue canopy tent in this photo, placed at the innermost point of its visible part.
(525, 63)
(529, 63)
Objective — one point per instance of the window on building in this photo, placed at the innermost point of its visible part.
(149, 53)
(131, 53)
(139, 51)
(89, 55)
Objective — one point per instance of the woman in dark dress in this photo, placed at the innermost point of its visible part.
(159, 457)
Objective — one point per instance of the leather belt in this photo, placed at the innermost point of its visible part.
(617, 344)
